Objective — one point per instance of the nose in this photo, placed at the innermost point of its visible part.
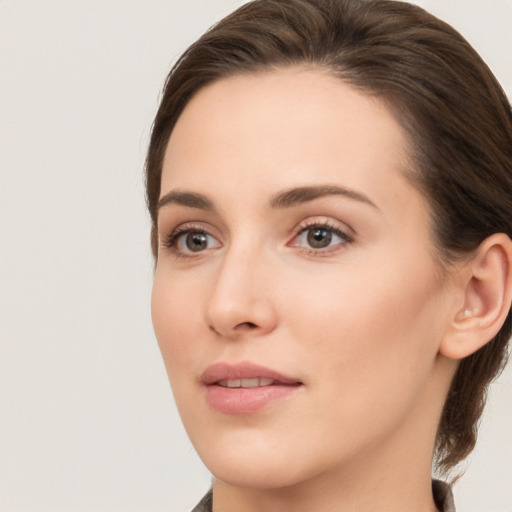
(241, 302)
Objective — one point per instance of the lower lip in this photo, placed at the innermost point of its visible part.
(246, 400)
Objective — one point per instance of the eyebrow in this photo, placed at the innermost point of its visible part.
(188, 199)
(299, 195)
(285, 199)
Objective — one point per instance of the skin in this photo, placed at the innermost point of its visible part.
(359, 322)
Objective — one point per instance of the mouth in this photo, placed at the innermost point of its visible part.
(245, 375)
(245, 388)
(246, 383)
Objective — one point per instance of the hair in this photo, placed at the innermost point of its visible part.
(456, 117)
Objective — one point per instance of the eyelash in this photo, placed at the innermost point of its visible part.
(335, 230)
(171, 240)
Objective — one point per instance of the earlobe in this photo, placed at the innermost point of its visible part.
(487, 297)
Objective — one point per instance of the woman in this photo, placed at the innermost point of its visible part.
(329, 183)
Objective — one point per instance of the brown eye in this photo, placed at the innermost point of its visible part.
(319, 238)
(196, 242)
(188, 241)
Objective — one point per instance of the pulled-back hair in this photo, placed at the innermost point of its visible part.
(456, 117)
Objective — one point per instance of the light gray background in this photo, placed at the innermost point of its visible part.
(87, 421)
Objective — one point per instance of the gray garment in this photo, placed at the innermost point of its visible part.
(443, 498)
(205, 505)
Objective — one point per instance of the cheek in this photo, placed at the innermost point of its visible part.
(370, 329)
(175, 315)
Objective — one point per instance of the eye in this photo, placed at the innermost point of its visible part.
(320, 238)
(187, 241)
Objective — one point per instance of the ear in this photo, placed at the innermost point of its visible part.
(487, 297)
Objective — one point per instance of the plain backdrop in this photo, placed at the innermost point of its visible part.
(87, 421)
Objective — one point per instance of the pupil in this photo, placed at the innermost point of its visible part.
(196, 241)
(319, 238)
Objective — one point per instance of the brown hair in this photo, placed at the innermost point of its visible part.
(457, 117)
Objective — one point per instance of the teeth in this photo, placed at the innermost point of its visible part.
(245, 383)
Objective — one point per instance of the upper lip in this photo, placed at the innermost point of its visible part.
(244, 370)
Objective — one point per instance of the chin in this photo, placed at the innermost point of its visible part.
(254, 475)
(251, 466)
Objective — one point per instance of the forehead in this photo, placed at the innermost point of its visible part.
(298, 125)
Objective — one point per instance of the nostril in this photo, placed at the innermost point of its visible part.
(246, 326)
(243, 326)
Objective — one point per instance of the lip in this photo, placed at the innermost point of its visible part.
(244, 370)
(242, 400)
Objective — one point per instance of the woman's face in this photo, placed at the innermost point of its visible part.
(296, 300)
